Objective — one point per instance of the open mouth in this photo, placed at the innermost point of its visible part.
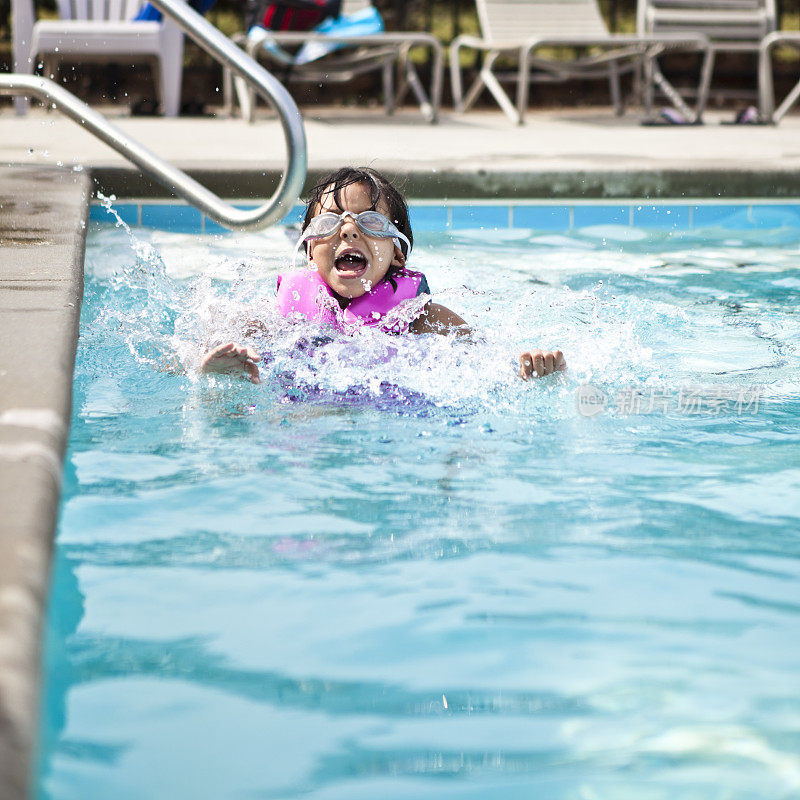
(351, 264)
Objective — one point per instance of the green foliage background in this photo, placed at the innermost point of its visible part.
(445, 18)
(440, 16)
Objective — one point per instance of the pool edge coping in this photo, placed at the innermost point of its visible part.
(43, 232)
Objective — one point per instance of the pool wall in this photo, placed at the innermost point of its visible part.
(546, 216)
(43, 216)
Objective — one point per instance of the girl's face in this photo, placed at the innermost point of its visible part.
(350, 261)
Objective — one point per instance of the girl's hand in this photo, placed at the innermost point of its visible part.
(232, 358)
(540, 362)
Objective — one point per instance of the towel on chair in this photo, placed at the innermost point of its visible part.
(362, 23)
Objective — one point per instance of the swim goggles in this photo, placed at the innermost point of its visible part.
(373, 223)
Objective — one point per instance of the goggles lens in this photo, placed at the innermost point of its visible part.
(373, 223)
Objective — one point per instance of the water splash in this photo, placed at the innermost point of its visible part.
(146, 302)
(174, 297)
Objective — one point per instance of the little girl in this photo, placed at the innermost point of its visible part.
(356, 237)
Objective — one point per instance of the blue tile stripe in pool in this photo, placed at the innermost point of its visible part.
(541, 216)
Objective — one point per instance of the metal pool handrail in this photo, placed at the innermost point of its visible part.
(178, 182)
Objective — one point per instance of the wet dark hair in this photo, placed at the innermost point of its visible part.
(379, 187)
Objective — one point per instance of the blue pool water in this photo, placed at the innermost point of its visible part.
(417, 576)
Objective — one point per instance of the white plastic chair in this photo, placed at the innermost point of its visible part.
(730, 25)
(98, 30)
(516, 29)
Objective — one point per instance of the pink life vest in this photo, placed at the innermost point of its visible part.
(303, 294)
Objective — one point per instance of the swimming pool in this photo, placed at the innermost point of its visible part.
(416, 576)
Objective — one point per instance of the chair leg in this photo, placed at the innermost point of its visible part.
(649, 83)
(24, 66)
(766, 89)
(787, 103)
(412, 80)
(21, 106)
(455, 77)
(706, 72)
(388, 84)
(523, 83)
(245, 94)
(246, 97)
(493, 85)
(22, 22)
(227, 92)
(402, 89)
(616, 93)
(51, 67)
(473, 93)
(168, 81)
(638, 82)
(436, 83)
(673, 95)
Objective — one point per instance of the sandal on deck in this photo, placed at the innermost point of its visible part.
(669, 116)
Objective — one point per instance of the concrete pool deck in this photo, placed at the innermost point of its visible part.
(43, 207)
(569, 153)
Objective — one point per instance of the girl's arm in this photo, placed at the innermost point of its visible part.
(438, 319)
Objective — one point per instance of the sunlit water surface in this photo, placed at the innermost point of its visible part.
(394, 570)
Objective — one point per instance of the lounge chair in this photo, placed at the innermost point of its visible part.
(91, 31)
(355, 55)
(518, 28)
(730, 25)
(767, 109)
